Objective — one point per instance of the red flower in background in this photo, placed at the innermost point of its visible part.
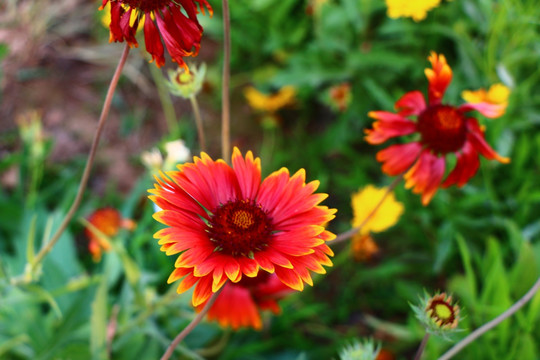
(227, 224)
(240, 304)
(165, 21)
(104, 223)
(443, 129)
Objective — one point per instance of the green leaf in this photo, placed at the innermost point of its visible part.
(98, 322)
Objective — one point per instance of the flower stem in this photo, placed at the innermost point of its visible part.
(198, 121)
(349, 233)
(196, 320)
(47, 247)
(490, 325)
(164, 98)
(225, 101)
(421, 347)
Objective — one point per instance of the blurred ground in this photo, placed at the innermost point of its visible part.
(55, 65)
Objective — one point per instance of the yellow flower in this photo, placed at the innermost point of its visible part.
(415, 9)
(366, 200)
(497, 94)
(270, 103)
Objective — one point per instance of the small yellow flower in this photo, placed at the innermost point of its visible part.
(364, 203)
(415, 9)
(497, 94)
(270, 103)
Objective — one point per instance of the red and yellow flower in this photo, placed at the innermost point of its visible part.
(443, 129)
(171, 22)
(240, 304)
(227, 224)
(103, 224)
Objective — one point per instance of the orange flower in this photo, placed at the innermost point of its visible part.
(340, 96)
(104, 223)
(227, 224)
(239, 304)
(165, 21)
(363, 247)
(443, 129)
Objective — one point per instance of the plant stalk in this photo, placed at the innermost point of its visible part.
(47, 247)
(490, 325)
(421, 347)
(196, 320)
(198, 122)
(225, 99)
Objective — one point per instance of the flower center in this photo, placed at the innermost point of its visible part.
(240, 228)
(146, 5)
(442, 313)
(442, 128)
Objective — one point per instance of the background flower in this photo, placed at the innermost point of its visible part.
(443, 129)
(164, 21)
(240, 304)
(415, 9)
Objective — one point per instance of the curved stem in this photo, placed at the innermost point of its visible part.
(490, 325)
(349, 233)
(422, 346)
(198, 121)
(196, 320)
(225, 101)
(86, 174)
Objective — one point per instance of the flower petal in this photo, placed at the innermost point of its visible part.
(387, 126)
(397, 159)
(439, 77)
(412, 103)
(476, 137)
(466, 166)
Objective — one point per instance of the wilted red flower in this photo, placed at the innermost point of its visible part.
(443, 129)
(107, 221)
(226, 223)
(240, 304)
(174, 22)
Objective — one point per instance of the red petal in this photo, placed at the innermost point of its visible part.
(290, 278)
(412, 103)
(397, 159)
(476, 137)
(439, 77)
(248, 173)
(153, 41)
(388, 125)
(425, 176)
(466, 166)
(203, 291)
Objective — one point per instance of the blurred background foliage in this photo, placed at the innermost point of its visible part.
(480, 243)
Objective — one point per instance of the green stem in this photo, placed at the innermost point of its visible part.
(47, 247)
(164, 98)
(198, 122)
(490, 325)
(196, 320)
(225, 100)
